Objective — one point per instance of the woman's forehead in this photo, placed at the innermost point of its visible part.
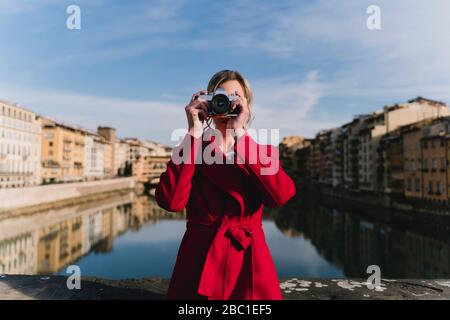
(231, 86)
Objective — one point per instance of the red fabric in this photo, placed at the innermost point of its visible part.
(223, 253)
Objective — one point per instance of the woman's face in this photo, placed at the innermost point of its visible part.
(230, 87)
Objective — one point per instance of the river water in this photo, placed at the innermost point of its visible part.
(129, 236)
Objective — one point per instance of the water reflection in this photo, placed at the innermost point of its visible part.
(352, 238)
(129, 236)
(46, 242)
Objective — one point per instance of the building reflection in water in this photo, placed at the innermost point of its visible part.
(46, 242)
(354, 238)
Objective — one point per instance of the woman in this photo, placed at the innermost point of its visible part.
(223, 253)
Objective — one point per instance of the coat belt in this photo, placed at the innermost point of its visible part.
(215, 281)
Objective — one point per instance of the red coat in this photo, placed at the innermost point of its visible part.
(223, 253)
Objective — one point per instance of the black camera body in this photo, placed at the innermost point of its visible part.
(219, 104)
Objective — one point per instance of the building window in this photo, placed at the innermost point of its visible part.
(438, 187)
(417, 183)
(409, 184)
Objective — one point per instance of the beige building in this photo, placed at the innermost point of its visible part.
(148, 169)
(62, 152)
(109, 135)
(108, 158)
(381, 122)
(20, 147)
(137, 149)
(121, 156)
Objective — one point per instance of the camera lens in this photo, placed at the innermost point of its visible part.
(220, 104)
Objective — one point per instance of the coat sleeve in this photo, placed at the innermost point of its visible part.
(263, 162)
(172, 192)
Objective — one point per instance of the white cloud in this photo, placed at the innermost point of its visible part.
(408, 57)
(288, 104)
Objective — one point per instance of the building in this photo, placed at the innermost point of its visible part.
(109, 135)
(351, 149)
(146, 170)
(368, 130)
(121, 157)
(390, 163)
(20, 147)
(412, 162)
(137, 149)
(288, 148)
(156, 149)
(62, 152)
(303, 158)
(434, 139)
(94, 156)
(108, 158)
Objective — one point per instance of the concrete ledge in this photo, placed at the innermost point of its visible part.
(54, 287)
(28, 200)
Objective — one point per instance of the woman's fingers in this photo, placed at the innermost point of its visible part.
(197, 94)
(201, 109)
(242, 102)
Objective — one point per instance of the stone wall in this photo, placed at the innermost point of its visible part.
(55, 287)
(12, 199)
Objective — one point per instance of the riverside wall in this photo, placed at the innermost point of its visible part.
(24, 287)
(18, 201)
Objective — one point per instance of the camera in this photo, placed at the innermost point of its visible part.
(219, 103)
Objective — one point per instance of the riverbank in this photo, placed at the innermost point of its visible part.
(24, 287)
(20, 201)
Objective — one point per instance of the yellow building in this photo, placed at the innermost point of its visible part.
(62, 152)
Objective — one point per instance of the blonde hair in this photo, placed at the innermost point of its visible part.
(227, 75)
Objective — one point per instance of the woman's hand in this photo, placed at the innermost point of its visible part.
(196, 113)
(238, 123)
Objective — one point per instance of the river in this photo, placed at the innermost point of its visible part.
(129, 236)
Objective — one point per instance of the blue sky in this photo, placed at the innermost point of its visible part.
(135, 64)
